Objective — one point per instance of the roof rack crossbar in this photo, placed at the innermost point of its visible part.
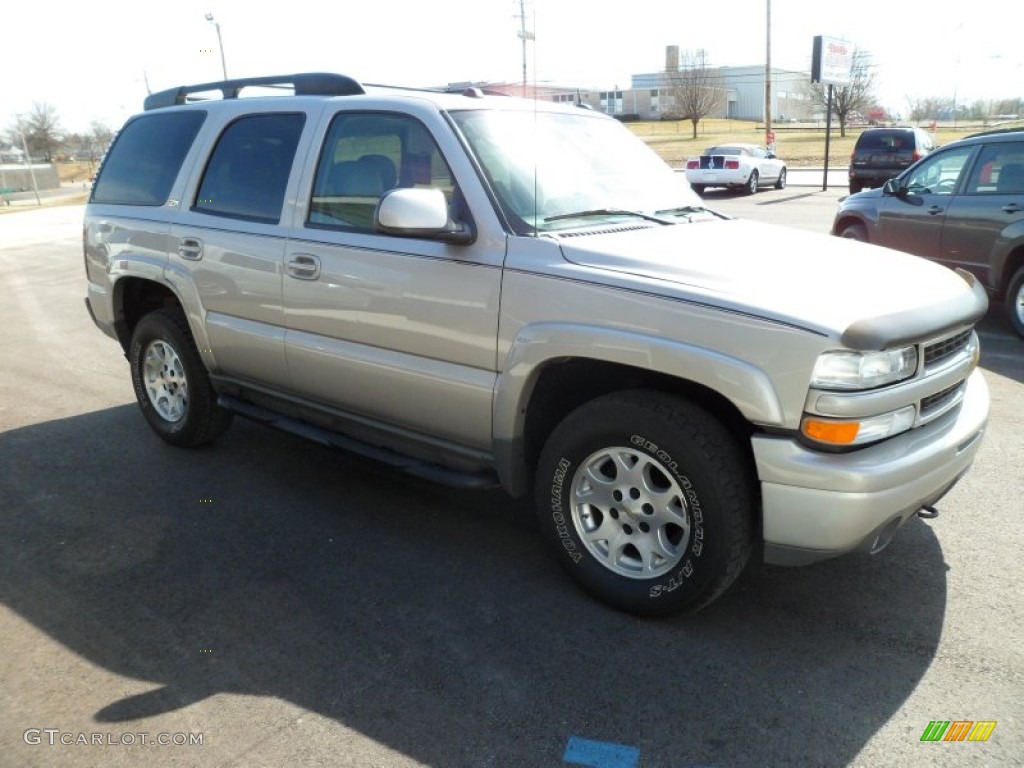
(304, 83)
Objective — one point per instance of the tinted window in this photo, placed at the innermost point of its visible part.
(248, 171)
(365, 155)
(999, 170)
(143, 163)
(887, 140)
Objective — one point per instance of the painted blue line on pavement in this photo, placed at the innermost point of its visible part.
(600, 754)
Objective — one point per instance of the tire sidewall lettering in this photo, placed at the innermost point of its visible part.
(562, 525)
(683, 572)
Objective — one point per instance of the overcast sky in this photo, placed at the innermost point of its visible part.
(94, 63)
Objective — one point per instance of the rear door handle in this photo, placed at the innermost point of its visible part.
(1012, 208)
(304, 266)
(190, 248)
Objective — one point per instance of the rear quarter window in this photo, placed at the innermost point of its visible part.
(144, 161)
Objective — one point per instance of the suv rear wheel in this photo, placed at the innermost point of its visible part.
(170, 381)
(1015, 302)
(648, 502)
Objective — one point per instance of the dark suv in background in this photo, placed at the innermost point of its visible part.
(883, 153)
(962, 206)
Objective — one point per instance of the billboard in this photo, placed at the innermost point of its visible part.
(831, 61)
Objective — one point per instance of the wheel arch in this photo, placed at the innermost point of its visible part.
(846, 219)
(134, 298)
(1010, 263)
(533, 396)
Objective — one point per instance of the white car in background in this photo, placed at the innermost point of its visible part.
(739, 166)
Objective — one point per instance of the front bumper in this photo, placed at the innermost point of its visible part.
(819, 505)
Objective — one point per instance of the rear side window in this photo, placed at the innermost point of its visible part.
(249, 168)
(143, 163)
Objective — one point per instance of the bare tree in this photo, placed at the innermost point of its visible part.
(929, 107)
(100, 136)
(855, 97)
(694, 90)
(41, 129)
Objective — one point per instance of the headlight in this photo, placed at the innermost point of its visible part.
(863, 370)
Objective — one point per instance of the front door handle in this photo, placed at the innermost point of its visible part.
(935, 210)
(304, 266)
(190, 248)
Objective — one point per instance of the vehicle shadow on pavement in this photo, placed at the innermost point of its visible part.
(433, 621)
(1002, 350)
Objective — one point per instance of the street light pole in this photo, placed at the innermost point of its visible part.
(220, 44)
(28, 159)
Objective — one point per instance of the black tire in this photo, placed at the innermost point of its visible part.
(855, 187)
(1015, 302)
(670, 466)
(751, 187)
(780, 183)
(855, 231)
(698, 188)
(171, 384)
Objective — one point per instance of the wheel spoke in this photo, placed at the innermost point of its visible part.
(166, 384)
(630, 512)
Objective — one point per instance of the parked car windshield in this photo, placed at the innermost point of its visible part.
(546, 166)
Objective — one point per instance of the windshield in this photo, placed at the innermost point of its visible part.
(554, 171)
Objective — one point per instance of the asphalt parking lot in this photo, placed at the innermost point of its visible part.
(286, 604)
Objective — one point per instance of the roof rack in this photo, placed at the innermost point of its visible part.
(304, 84)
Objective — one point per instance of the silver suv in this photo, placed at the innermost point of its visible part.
(488, 291)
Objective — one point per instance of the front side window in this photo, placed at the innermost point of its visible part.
(144, 161)
(938, 175)
(248, 171)
(365, 155)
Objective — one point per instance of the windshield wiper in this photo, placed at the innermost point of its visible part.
(685, 210)
(608, 212)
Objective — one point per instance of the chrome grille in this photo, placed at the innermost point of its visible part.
(942, 350)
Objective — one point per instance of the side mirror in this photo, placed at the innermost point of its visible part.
(892, 187)
(419, 213)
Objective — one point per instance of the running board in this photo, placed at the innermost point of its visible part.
(408, 464)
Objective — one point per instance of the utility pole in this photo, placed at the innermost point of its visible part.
(768, 135)
(523, 34)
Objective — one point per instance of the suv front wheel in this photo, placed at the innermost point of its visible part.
(647, 500)
(170, 381)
